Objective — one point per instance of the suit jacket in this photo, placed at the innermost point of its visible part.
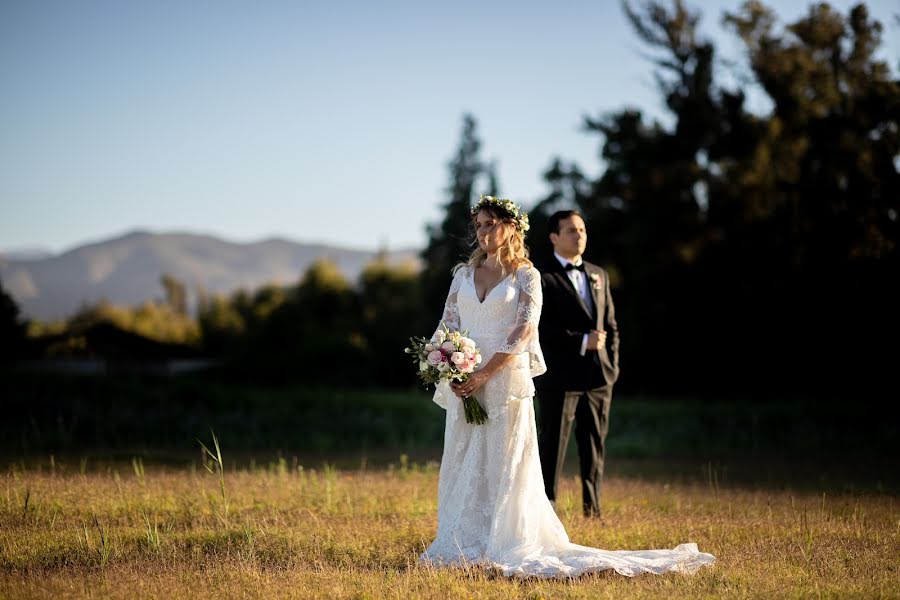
(565, 319)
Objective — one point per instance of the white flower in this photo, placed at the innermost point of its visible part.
(443, 366)
(478, 359)
(429, 347)
(423, 366)
(458, 358)
(465, 342)
(439, 336)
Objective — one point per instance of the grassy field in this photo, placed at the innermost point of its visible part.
(287, 529)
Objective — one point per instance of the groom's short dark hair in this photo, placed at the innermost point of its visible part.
(555, 218)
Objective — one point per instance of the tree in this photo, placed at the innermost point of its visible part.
(568, 186)
(450, 242)
(312, 333)
(12, 329)
(176, 293)
(221, 324)
(727, 227)
(646, 213)
(391, 303)
(825, 164)
(834, 134)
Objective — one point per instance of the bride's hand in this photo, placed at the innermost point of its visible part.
(471, 385)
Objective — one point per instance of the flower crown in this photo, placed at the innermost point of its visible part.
(507, 206)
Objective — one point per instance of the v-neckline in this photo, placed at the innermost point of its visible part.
(489, 292)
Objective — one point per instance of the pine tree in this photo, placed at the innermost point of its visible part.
(450, 242)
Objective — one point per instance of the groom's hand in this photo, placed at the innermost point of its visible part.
(596, 339)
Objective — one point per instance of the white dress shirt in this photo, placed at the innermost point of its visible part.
(579, 280)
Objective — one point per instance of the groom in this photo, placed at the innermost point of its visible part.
(580, 341)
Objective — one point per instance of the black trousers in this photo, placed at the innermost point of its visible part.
(590, 412)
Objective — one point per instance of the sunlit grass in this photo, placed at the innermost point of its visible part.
(305, 531)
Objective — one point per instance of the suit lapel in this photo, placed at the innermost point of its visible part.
(570, 287)
(597, 291)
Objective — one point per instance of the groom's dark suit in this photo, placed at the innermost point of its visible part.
(576, 387)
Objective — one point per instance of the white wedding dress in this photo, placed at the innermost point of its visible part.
(492, 508)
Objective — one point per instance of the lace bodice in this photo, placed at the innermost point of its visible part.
(506, 321)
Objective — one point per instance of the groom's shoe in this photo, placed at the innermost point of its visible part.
(591, 512)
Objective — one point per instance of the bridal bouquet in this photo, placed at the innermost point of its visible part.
(448, 356)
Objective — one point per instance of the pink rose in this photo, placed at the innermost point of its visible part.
(435, 357)
(458, 358)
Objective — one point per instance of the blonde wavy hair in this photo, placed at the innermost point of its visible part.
(513, 253)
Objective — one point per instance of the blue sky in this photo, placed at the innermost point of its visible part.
(325, 121)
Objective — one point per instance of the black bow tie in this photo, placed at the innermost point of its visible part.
(571, 267)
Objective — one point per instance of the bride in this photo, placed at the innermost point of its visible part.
(492, 508)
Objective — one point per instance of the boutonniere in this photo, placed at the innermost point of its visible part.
(596, 281)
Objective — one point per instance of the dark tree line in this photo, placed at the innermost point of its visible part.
(322, 330)
(753, 253)
(12, 329)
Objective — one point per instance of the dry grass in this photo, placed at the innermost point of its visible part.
(294, 532)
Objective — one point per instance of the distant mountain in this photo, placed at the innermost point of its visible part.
(28, 253)
(127, 269)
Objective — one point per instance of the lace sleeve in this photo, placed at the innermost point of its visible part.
(443, 396)
(524, 336)
(450, 318)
